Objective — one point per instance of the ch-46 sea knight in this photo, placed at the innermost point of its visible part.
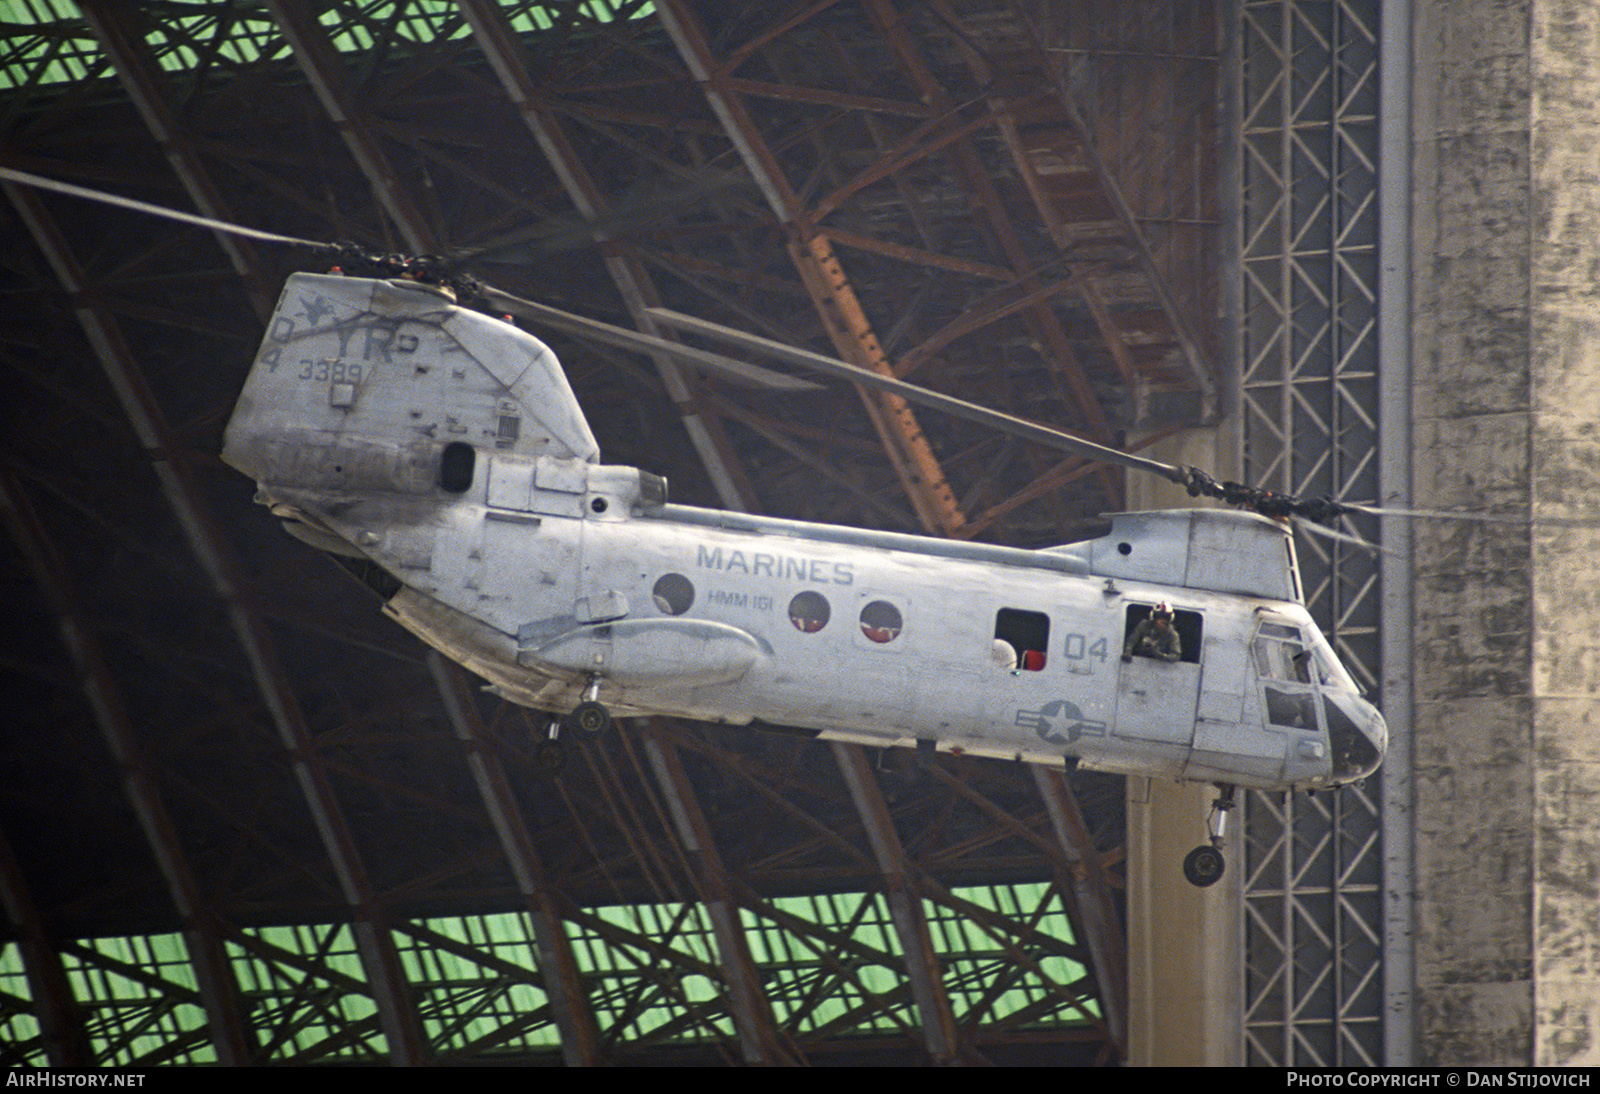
(384, 422)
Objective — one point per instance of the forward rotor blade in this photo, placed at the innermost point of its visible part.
(737, 372)
(1480, 518)
(911, 393)
(1311, 527)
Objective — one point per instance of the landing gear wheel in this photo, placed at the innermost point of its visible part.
(1203, 866)
(549, 757)
(590, 718)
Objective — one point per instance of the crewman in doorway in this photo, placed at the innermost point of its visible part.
(1155, 637)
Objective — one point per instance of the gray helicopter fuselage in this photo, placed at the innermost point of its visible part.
(889, 639)
(445, 447)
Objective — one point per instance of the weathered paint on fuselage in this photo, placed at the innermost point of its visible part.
(382, 421)
(518, 574)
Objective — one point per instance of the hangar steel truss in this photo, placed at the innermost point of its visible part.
(257, 824)
(1314, 915)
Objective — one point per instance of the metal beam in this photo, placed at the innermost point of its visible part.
(991, 308)
(125, 45)
(378, 953)
(1073, 383)
(1318, 396)
(1201, 368)
(774, 434)
(219, 993)
(905, 906)
(759, 1037)
(580, 1040)
(836, 301)
(1104, 932)
(325, 71)
(60, 1018)
(499, 45)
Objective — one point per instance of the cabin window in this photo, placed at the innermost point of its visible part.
(1026, 635)
(881, 621)
(809, 612)
(673, 593)
(456, 465)
(1187, 624)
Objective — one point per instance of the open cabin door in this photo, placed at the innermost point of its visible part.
(1157, 699)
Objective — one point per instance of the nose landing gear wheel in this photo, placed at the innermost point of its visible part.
(1203, 866)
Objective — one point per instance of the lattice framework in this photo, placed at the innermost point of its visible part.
(287, 759)
(1313, 917)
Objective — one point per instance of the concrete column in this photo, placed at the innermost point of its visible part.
(1185, 993)
(1507, 366)
(1564, 408)
(1185, 998)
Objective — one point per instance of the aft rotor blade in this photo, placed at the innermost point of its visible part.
(737, 372)
(911, 393)
(42, 183)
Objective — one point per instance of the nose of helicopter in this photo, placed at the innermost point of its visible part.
(1358, 737)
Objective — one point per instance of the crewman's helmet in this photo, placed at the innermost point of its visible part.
(1162, 610)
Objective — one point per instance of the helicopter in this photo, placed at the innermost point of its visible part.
(442, 450)
(396, 418)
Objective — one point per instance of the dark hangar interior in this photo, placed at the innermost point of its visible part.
(247, 819)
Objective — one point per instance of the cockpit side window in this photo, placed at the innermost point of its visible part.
(1330, 672)
(1294, 709)
(1282, 654)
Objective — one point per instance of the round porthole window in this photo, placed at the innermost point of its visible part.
(809, 612)
(673, 593)
(880, 621)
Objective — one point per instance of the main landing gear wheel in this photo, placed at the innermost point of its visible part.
(590, 718)
(1204, 865)
(549, 753)
(549, 757)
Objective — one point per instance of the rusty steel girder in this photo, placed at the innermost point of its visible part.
(966, 209)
